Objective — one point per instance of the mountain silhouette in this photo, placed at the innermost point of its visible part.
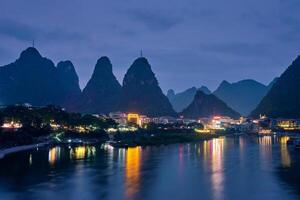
(34, 79)
(181, 100)
(283, 99)
(69, 81)
(102, 92)
(208, 105)
(243, 96)
(141, 92)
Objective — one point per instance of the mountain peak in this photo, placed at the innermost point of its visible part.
(35, 79)
(104, 62)
(224, 83)
(141, 59)
(30, 53)
(103, 68)
(101, 93)
(141, 92)
(207, 105)
(140, 72)
(140, 66)
(247, 82)
(243, 96)
(205, 89)
(66, 69)
(170, 93)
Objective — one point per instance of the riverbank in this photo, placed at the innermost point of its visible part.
(4, 152)
(125, 143)
(120, 140)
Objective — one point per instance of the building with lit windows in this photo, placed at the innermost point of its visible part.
(288, 124)
(134, 118)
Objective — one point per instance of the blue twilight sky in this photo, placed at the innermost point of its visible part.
(187, 42)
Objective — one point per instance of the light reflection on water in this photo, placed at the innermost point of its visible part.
(217, 167)
(132, 174)
(82, 152)
(265, 151)
(54, 155)
(112, 173)
(284, 152)
(75, 153)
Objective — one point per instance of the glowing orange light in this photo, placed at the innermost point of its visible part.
(132, 176)
(53, 155)
(12, 125)
(134, 118)
(202, 130)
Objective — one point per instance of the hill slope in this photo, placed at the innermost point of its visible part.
(141, 92)
(102, 92)
(207, 105)
(243, 96)
(283, 99)
(34, 79)
(181, 100)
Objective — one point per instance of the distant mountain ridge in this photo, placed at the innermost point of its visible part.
(208, 105)
(34, 79)
(283, 99)
(181, 100)
(243, 96)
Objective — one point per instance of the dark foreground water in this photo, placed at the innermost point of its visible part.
(225, 168)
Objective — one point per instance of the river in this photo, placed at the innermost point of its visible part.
(244, 167)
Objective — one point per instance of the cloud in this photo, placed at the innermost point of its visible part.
(17, 30)
(155, 20)
(238, 49)
(27, 33)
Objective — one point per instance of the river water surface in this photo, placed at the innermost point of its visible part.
(225, 168)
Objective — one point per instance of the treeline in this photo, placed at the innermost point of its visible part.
(36, 117)
(39, 124)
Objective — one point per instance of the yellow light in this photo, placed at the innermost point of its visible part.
(132, 173)
(79, 152)
(288, 125)
(202, 130)
(53, 155)
(12, 124)
(81, 129)
(285, 156)
(134, 118)
(112, 130)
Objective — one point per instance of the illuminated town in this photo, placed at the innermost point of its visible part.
(131, 129)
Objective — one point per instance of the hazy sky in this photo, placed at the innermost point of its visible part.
(187, 42)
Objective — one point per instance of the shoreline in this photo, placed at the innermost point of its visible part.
(16, 149)
(119, 144)
(123, 144)
(164, 141)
